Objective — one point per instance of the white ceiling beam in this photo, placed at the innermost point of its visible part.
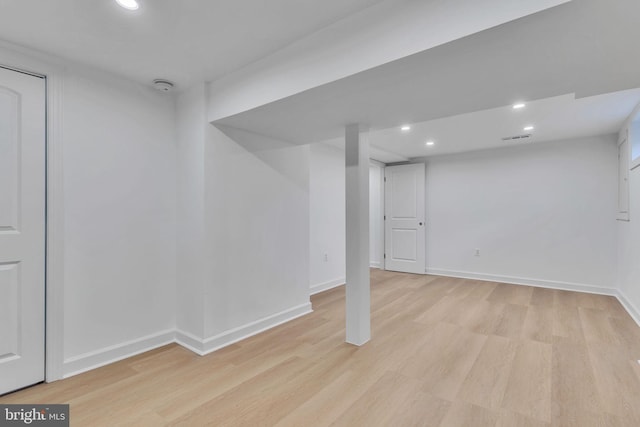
(385, 32)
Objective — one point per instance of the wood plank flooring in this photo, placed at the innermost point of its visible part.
(445, 352)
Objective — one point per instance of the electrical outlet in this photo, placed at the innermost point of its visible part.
(326, 257)
(477, 252)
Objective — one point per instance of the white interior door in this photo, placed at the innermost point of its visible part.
(404, 218)
(22, 229)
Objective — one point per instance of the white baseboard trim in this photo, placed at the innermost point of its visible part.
(211, 344)
(565, 286)
(628, 305)
(321, 287)
(105, 356)
(633, 311)
(95, 359)
(189, 341)
(375, 265)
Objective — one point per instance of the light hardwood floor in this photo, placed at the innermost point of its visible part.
(445, 352)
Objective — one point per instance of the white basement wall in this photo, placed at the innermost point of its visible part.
(629, 247)
(327, 217)
(244, 266)
(540, 214)
(189, 288)
(119, 212)
(257, 220)
(120, 218)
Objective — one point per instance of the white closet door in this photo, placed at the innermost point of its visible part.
(22, 229)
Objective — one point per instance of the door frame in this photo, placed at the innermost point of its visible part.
(380, 224)
(623, 173)
(22, 60)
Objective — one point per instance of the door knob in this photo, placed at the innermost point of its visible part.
(420, 223)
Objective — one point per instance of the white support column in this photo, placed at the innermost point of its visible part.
(357, 195)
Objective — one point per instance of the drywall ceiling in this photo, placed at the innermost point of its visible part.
(385, 32)
(557, 118)
(585, 47)
(554, 119)
(186, 41)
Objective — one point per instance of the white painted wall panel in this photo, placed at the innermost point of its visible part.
(327, 215)
(120, 220)
(257, 228)
(544, 212)
(190, 211)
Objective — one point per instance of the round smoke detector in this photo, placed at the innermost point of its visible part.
(163, 85)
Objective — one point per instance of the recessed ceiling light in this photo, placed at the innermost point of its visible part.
(528, 128)
(129, 4)
(519, 105)
(430, 143)
(405, 128)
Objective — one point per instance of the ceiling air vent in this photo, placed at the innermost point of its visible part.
(517, 137)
